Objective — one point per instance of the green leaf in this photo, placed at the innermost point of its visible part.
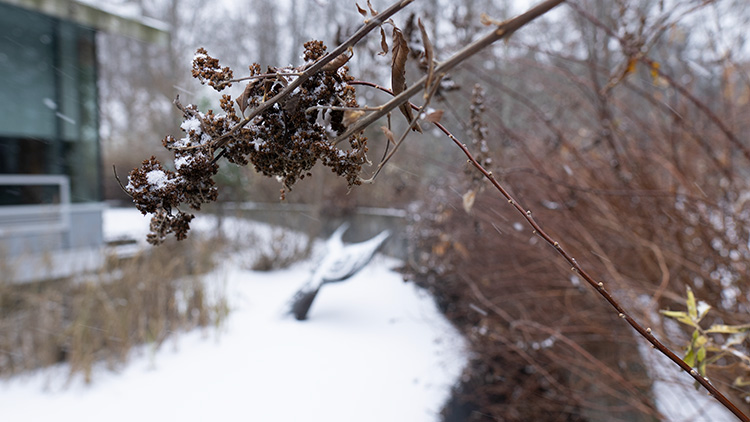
(701, 356)
(724, 329)
(702, 368)
(687, 321)
(699, 341)
(690, 357)
(702, 309)
(674, 314)
(692, 308)
(680, 316)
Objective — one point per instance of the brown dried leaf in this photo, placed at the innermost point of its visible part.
(339, 61)
(351, 116)
(400, 52)
(434, 116)
(242, 100)
(627, 68)
(461, 249)
(388, 134)
(361, 11)
(383, 43)
(486, 20)
(468, 200)
(439, 249)
(429, 56)
(372, 9)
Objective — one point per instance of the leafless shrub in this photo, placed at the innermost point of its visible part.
(280, 251)
(643, 196)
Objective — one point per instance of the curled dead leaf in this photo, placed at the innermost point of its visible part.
(388, 134)
(439, 249)
(242, 100)
(434, 116)
(429, 57)
(361, 11)
(351, 116)
(400, 53)
(339, 61)
(462, 250)
(383, 43)
(486, 20)
(468, 200)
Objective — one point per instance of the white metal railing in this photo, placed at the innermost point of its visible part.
(36, 218)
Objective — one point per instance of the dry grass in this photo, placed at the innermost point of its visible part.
(282, 250)
(101, 317)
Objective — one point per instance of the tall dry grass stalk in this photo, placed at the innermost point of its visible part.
(101, 317)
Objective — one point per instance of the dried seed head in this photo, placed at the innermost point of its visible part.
(284, 141)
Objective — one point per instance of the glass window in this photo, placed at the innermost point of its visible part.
(48, 100)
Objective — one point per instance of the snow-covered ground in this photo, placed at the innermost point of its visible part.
(374, 349)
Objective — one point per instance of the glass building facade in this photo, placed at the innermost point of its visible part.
(48, 106)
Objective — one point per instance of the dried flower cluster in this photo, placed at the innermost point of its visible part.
(207, 70)
(284, 141)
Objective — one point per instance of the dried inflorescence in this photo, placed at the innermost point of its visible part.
(284, 141)
(207, 70)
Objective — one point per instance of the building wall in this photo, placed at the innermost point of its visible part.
(48, 126)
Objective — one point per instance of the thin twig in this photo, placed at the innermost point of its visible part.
(119, 182)
(503, 30)
(598, 286)
(259, 76)
(575, 267)
(370, 25)
(340, 108)
(672, 82)
(428, 97)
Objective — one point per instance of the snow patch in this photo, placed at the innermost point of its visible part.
(157, 178)
(193, 124)
(374, 349)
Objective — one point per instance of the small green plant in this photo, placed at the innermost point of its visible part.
(719, 345)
